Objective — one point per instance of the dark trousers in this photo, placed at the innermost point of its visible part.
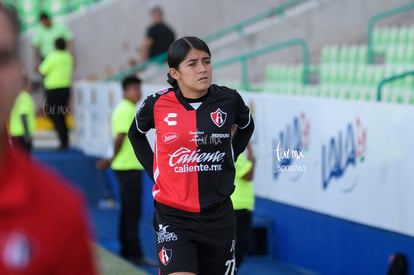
(130, 186)
(243, 225)
(56, 109)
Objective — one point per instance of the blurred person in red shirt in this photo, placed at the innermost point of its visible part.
(43, 227)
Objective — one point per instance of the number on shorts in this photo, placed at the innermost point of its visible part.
(231, 264)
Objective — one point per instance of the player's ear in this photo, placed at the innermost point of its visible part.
(174, 73)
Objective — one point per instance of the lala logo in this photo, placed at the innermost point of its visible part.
(170, 137)
(219, 117)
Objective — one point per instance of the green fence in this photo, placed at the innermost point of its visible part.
(391, 79)
(242, 58)
(238, 27)
(377, 17)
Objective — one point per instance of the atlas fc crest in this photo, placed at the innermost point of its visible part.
(219, 117)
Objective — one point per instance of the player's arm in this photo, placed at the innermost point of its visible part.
(143, 122)
(245, 126)
(144, 50)
(102, 164)
(23, 117)
(142, 149)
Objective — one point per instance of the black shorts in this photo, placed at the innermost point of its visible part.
(201, 243)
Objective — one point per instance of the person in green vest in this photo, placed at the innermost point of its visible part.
(45, 35)
(243, 201)
(57, 70)
(22, 117)
(128, 171)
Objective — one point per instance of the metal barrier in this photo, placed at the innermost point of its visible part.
(274, 47)
(390, 79)
(377, 17)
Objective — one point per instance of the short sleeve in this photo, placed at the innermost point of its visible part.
(44, 67)
(144, 118)
(242, 112)
(151, 32)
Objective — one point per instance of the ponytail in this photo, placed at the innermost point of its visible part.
(173, 82)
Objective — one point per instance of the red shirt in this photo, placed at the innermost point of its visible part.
(193, 154)
(43, 228)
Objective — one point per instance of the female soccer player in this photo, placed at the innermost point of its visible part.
(193, 162)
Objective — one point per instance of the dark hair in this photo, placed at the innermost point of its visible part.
(11, 14)
(179, 50)
(60, 44)
(44, 16)
(130, 80)
(157, 9)
(399, 265)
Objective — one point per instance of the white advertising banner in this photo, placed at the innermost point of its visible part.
(348, 159)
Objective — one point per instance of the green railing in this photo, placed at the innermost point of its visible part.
(390, 79)
(274, 47)
(377, 17)
(159, 59)
(37, 6)
(238, 27)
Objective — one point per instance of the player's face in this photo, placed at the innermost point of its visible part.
(133, 93)
(10, 69)
(194, 73)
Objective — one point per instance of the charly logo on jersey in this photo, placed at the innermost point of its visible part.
(170, 119)
(170, 137)
(16, 251)
(165, 255)
(164, 236)
(218, 117)
(185, 160)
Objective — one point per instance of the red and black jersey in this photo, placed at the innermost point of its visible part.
(193, 160)
(43, 226)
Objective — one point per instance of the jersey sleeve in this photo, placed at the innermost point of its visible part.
(144, 118)
(242, 112)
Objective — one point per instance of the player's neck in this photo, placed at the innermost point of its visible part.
(192, 94)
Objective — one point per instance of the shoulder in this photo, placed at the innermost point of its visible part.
(60, 26)
(124, 108)
(25, 97)
(224, 91)
(50, 188)
(152, 98)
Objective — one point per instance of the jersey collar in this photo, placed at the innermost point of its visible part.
(184, 102)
